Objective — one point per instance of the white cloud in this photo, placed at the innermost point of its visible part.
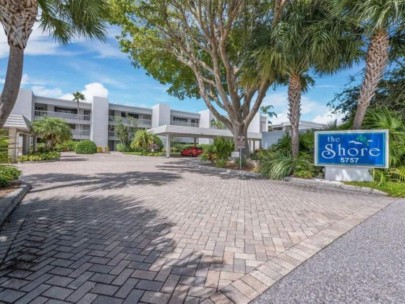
(43, 91)
(40, 43)
(311, 110)
(91, 90)
(328, 117)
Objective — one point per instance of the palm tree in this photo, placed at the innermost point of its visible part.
(78, 96)
(307, 37)
(62, 19)
(381, 22)
(53, 130)
(267, 110)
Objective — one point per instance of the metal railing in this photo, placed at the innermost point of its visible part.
(112, 134)
(137, 121)
(81, 133)
(63, 115)
(188, 124)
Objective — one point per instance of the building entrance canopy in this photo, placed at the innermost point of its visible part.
(194, 132)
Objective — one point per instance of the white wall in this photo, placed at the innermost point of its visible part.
(24, 105)
(255, 125)
(160, 115)
(205, 122)
(99, 126)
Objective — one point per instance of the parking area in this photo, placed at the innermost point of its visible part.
(112, 228)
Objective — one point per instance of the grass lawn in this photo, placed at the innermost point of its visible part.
(396, 189)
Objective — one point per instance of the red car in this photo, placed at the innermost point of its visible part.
(191, 151)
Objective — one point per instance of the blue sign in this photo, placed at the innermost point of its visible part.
(352, 148)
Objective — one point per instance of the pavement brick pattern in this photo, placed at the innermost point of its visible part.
(126, 229)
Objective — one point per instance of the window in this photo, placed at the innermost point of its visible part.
(179, 119)
(64, 110)
(194, 121)
(133, 115)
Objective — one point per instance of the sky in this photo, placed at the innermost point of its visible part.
(101, 69)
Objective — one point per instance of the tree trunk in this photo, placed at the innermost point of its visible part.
(239, 132)
(17, 18)
(377, 58)
(12, 83)
(294, 114)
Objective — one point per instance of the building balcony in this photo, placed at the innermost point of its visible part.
(84, 133)
(66, 116)
(187, 124)
(137, 121)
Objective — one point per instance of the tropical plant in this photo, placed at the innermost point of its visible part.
(217, 124)
(77, 97)
(52, 130)
(8, 175)
(66, 146)
(146, 141)
(382, 22)
(64, 20)
(223, 147)
(267, 110)
(125, 132)
(86, 147)
(307, 36)
(38, 156)
(390, 94)
(4, 146)
(388, 120)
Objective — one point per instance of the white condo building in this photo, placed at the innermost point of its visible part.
(96, 120)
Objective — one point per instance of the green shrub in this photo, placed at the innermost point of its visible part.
(278, 165)
(221, 149)
(3, 146)
(67, 146)
(221, 163)
(38, 156)
(8, 174)
(144, 141)
(86, 147)
(107, 149)
(124, 148)
(100, 150)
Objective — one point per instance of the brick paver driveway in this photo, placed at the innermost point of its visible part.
(115, 228)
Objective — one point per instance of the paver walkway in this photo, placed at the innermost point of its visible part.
(127, 229)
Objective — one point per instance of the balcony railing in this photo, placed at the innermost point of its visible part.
(112, 134)
(63, 115)
(81, 133)
(126, 121)
(187, 124)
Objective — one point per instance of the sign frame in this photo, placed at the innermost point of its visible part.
(348, 165)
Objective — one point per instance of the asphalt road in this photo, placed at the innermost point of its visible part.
(367, 265)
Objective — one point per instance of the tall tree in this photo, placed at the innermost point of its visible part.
(202, 45)
(62, 19)
(383, 27)
(390, 94)
(307, 38)
(79, 96)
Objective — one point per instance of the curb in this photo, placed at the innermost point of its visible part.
(11, 200)
(229, 171)
(337, 185)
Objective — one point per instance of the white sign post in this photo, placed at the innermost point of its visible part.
(240, 145)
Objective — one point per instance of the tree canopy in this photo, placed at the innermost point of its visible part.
(201, 48)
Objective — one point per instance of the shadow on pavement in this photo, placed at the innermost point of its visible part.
(104, 181)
